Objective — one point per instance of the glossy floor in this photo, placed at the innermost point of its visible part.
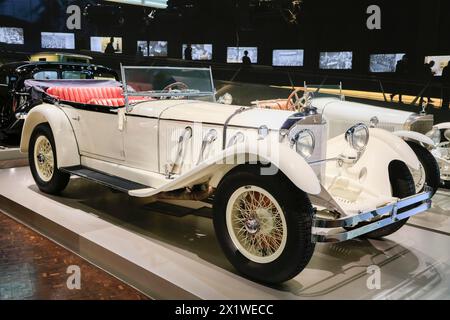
(33, 267)
(183, 251)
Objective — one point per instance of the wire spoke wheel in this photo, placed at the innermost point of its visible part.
(44, 159)
(256, 224)
(419, 177)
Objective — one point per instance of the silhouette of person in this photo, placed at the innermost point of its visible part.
(246, 59)
(110, 47)
(140, 52)
(401, 71)
(446, 87)
(188, 53)
(427, 75)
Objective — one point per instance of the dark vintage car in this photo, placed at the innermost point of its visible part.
(15, 102)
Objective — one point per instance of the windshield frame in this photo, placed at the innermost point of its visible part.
(161, 94)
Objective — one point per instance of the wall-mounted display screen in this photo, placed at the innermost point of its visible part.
(106, 44)
(384, 62)
(440, 62)
(288, 58)
(235, 54)
(336, 60)
(11, 35)
(142, 48)
(158, 48)
(200, 51)
(53, 40)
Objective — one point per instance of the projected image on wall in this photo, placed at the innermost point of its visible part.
(158, 48)
(106, 44)
(235, 54)
(336, 60)
(384, 62)
(53, 40)
(200, 51)
(440, 62)
(288, 58)
(11, 35)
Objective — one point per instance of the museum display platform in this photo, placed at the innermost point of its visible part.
(176, 256)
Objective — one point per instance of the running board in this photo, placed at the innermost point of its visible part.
(105, 179)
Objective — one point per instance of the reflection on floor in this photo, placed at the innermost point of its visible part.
(33, 267)
(413, 263)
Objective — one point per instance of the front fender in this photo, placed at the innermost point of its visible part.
(415, 136)
(443, 126)
(65, 141)
(399, 149)
(214, 169)
(372, 169)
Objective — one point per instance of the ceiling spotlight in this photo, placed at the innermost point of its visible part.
(158, 4)
(152, 14)
(292, 12)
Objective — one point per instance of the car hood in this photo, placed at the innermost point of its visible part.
(335, 109)
(212, 113)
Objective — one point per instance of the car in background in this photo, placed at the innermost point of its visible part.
(410, 126)
(60, 57)
(440, 134)
(15, 102)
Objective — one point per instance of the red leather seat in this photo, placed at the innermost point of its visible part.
(99, 96)
(113, 102)
(85, 94)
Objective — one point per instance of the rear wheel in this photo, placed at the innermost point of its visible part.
(43, 161)
(429, 171)
(403, 186)
(264, 225)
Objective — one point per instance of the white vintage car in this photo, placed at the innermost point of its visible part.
(440, 134)
(340, 114)
(276, 186)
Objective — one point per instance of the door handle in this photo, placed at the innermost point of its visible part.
(76, 118)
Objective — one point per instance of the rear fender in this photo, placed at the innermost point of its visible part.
(66, 144)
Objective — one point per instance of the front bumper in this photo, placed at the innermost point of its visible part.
(334, 230)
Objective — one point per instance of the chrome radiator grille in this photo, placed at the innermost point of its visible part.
(422, 124)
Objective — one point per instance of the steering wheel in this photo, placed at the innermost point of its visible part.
(296, 102)
(175, 87)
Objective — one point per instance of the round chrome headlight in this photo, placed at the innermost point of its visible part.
(358, 137)
(305, 143)
(435, 135)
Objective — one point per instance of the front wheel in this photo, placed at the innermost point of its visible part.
(429, 172)
(43, 161)
(264, 225)
(403, 186)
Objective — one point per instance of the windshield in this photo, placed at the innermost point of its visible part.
(168, 83)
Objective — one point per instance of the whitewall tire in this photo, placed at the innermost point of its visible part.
(263, 224)
(43, 161)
